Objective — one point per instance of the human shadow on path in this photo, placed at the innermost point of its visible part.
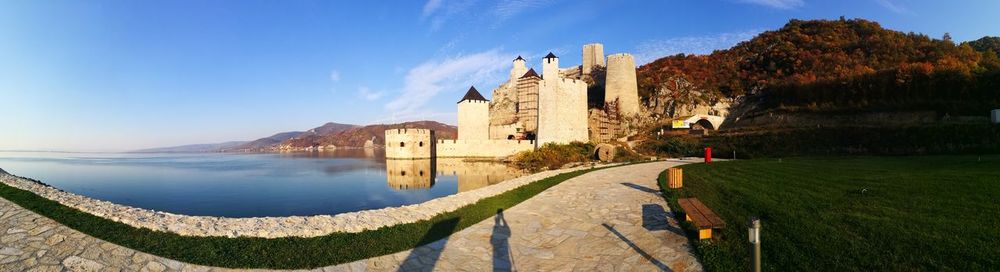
(641, 188)
(425, 255)
(502, 259)
(654, 218)
(654, 261)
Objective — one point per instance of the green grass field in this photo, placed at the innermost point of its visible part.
(281, 253)
(852, 213)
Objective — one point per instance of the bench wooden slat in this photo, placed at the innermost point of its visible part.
(703, 217)
(713, 220)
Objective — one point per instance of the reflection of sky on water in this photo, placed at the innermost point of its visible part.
(242, 185)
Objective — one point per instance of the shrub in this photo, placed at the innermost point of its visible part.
(673, 147)
(553, 156)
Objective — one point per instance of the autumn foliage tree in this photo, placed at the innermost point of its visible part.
(839, 63)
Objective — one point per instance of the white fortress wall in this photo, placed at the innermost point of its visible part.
(473, 120)
(409, 143)
(562, 116)
(481, 148)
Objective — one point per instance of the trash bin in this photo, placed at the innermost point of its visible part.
(708, 155)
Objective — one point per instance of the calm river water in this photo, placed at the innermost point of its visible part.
(250, 185)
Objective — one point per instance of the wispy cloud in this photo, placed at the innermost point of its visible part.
(437, 13)
(367, 94)
(653, 49)
(507, 9)
(777, 4)
(893, 6)
(427, 80)
(430, 7)
(334, 76)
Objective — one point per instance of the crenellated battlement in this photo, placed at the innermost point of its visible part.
(621, 56)
(407, 131)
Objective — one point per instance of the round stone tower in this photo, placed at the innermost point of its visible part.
(593, 55)
(621, 83)
(473, 116)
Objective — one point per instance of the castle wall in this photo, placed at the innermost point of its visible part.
(503, 107)
(527, 103)
(481, 148)
(473, 120)
(562, 111)
(604, 125)
(410, 174)
(621, 84)
(503, 132)
(409, 143)
(593, 55)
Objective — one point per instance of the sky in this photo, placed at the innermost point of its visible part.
(122, 75)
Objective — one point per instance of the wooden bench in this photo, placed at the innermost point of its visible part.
(702, 217)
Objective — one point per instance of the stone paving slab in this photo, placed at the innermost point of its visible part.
(607, 220)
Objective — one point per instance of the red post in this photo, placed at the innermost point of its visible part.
(708, 155)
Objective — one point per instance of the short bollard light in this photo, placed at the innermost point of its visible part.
(754, 237)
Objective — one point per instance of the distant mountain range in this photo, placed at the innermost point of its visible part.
(336, 134)
(193, 148)
(359, 136)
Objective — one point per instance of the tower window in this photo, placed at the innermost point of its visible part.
(421, 144)
(402, 144)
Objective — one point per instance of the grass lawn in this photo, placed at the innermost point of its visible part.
(281, 253)
(852, 213)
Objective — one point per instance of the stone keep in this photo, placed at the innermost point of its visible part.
(473, 116)
(409, 143)
(593, 55)
(562, 106)
(621, 83)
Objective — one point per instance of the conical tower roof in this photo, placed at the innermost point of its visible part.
(531, 73)
(473, 95)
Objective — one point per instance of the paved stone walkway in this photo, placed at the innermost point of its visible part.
(607, 220)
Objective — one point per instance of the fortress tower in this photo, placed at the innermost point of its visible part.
(550, 69)
(593, 55)
(409, 143)
(562, 106)
(518, 69)
(621, 83)
(473, 116)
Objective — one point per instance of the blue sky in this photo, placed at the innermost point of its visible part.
(123, 75)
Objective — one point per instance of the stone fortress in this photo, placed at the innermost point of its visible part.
(560, 105)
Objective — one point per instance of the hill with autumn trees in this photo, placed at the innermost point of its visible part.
(833, 87)
(836, 65)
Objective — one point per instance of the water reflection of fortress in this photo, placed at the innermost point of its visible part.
(421, 174)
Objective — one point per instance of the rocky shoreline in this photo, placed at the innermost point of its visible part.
(274, 227)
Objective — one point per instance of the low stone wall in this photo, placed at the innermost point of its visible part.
(273, 227)
(482, 148)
